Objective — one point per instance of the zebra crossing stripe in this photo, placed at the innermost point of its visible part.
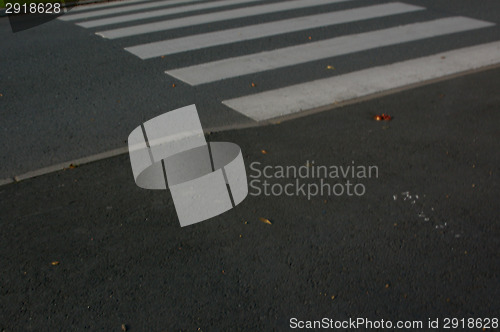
(213, 17)
(97, 5)
(162, 12)
(124, 9)
(172, 46)
(324, 92)
(289, 56)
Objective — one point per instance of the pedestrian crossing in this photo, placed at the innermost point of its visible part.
(294, 55)
(131, 21)
(172, 46)
(212, 18)
(162, 12)
(124, 9)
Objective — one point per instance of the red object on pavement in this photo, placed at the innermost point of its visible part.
(384, 117)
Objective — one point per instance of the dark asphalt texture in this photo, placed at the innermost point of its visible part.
(68, 94)
(124, 259)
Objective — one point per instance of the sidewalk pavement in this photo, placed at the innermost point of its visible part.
(85, 248)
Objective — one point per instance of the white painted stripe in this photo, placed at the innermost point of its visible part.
(289, 56)
(146, 51)
(163, 12)
(6, 181)
(100, 5)
(301, 97)
(76, 162)
(124, 9)
(213, 17)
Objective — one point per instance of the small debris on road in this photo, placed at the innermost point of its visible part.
(383, 117)
(265, 220)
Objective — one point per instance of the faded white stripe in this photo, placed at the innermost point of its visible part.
(162, 12)
(300, 97)
(150, 50)
(124, 9)
(100, 5)
(289, 56)
(212, 17)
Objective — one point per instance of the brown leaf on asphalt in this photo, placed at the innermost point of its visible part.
(383, 117)
(253, 85)
(330, 67)
(173, 85)
(310, 37)
(1, 95)
(71, 166)
(263, 151)
(124, 327)
(265, 220)
(55, 263)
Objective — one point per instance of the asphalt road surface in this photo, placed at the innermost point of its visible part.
(69, 93)
(86, 249)
(124, 259)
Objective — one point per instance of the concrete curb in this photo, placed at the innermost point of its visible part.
(64, 165)
(269, 122)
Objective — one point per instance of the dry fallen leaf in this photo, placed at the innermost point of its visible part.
(330, 67)
(72, 166)
(267, 221)
(173, 85)
(310, 37)
(253, 85)
(263, 151)
(55, 263)
(385, 117)
(124, 327)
